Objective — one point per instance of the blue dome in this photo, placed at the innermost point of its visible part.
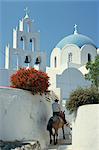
(77, 39)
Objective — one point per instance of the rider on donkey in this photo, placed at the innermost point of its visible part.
(57, 109)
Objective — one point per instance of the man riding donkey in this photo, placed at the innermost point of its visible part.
(56, 108)
(57, 121)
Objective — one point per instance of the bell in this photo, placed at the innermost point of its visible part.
(38, 60)
(27, 59)
(21, 38)
(30, 40)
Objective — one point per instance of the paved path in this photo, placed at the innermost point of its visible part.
(62, 145)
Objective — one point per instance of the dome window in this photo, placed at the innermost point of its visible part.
(89, 57)
(70, 57)
(55, 62)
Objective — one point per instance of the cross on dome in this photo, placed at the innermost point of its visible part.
(75, 29)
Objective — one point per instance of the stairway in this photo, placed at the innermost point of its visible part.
(62, 145)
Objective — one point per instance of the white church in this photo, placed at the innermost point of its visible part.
(67, 63)
(67, 60)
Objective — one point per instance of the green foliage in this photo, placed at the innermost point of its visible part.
(93, 74)
(81, 97)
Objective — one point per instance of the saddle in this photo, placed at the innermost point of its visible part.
(55, 118)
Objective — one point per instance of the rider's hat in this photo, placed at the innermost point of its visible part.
(56, 100)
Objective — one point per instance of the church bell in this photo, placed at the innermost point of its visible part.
(27, 59)
(38, 60)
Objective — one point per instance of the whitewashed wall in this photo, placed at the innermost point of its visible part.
(5, 75)
(70, 80)
(86, 128)
(24, 116)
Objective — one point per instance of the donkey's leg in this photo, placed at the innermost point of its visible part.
(56, 136)
(63, 132)
(50, 138)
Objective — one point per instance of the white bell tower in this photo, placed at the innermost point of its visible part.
(26, 47)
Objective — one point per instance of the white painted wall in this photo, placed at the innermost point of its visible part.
(86, 128)
(98, 51)
(5, 75)
(24, 116)
(70, 80)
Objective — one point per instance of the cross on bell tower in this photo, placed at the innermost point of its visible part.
(26, 12)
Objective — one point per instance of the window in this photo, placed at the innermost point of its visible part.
(70, 57)
(89, 57)
(55, 62)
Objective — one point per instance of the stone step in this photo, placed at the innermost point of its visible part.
(60, 147)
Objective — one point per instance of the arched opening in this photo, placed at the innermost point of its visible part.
(89, 57)
(27, 61)
(26, 27)
(55, 62)
(31, 46)
(70, 57)
(21, 43)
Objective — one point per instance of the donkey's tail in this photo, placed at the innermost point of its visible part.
(49, 125)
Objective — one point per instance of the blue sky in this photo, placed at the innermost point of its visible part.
(55, 20)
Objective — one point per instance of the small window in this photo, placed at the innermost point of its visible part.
(70, 57)
(55, 62)
(89, 57)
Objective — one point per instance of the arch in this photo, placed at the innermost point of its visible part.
(88, 52)
(26, 27)
(70, 48)
(55, 53)
(31, 44)
(21, 43)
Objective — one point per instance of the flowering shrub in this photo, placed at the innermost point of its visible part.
(82, 96)
(30, 79)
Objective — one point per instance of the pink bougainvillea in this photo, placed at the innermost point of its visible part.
(30, 79)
